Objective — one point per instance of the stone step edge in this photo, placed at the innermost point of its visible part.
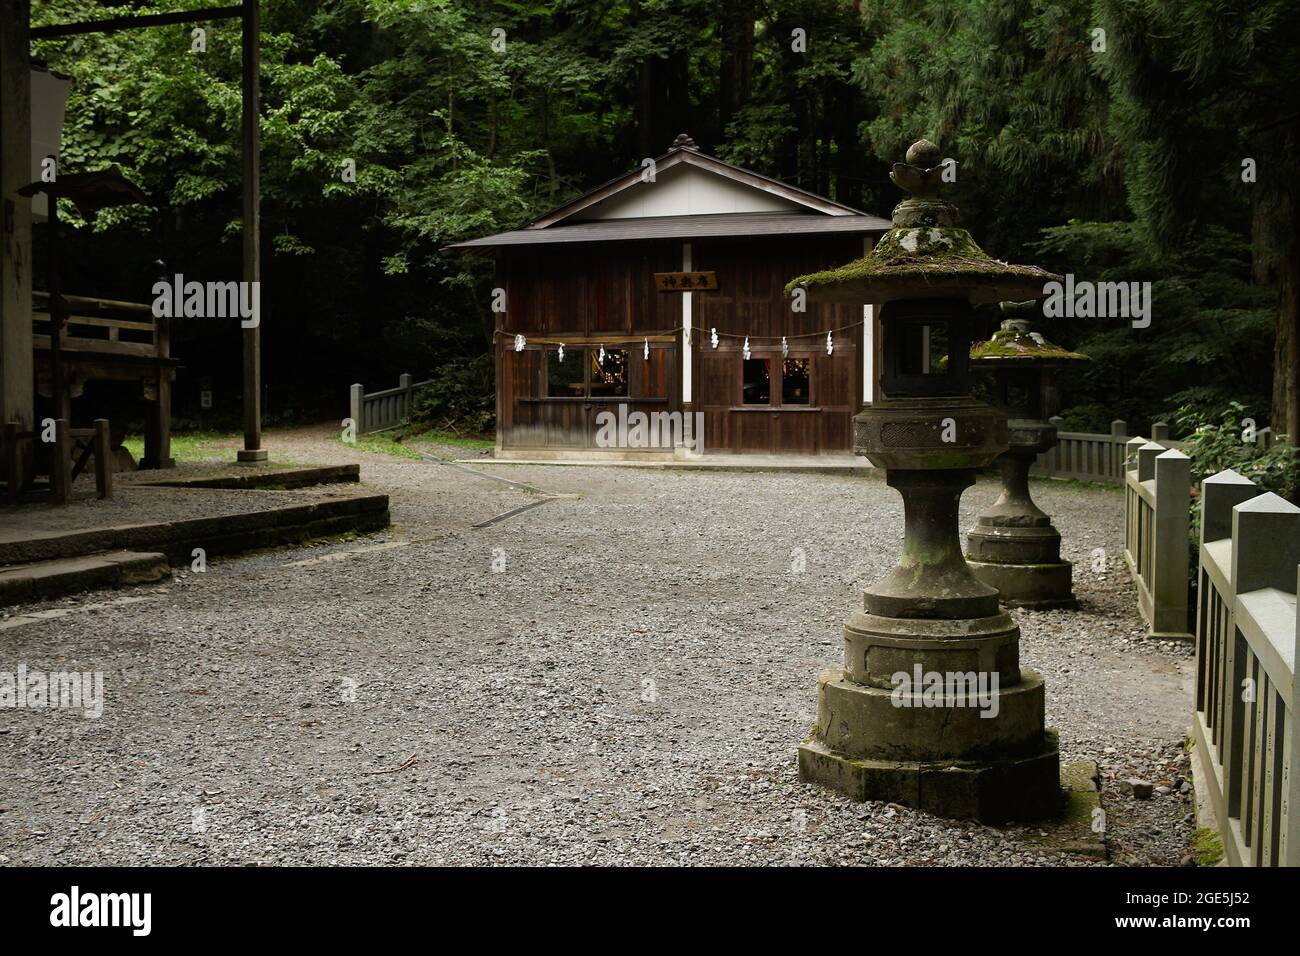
(225, 534)
(59, 577)
(286, 478)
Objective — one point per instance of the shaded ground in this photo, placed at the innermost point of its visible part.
(629, 689)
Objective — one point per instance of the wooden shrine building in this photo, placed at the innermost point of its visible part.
(662, 291)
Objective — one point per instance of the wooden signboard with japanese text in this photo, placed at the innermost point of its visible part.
(686, 281)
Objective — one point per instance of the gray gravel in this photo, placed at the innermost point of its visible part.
(630, 689)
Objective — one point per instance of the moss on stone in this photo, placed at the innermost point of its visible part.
(1208, 846)
(1022, 344)
(928, 242)
(919, 253)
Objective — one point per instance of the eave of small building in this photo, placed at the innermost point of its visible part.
(602, 214)
(719, 226)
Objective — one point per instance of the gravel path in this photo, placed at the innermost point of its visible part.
(629, 689)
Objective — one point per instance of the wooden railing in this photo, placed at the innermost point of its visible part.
(1157, 499)
(1091, 456)
(380, 411)
(1247, 640)
(106, 326)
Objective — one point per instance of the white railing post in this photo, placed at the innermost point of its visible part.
(1115, 450)
(1220, 669)
(1219, 495)
(404, 383)
(1290, 850)
(1132, 500)
(1265, 554)
(1146, 460)
(355, 395)
(1170, 545)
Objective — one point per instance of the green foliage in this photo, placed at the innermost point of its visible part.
(1214, 446)
(1218, 443)
(1211, 326)
(1122, 164)
(459, 393)
(1009, 90)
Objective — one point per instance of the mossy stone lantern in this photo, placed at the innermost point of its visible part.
(1014, 546)
(902, 719)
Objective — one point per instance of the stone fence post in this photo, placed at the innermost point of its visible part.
(404, 383)
(1173, 475)
(355, 394)
(1115, 459)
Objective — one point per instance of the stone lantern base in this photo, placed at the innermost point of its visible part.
(995, 791)
(1038, 587)
(989, 760)
(1014, 546)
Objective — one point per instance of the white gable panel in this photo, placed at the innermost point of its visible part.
(687, 191)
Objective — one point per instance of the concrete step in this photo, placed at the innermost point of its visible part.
(272, 526)
(40, 580)
(279, 478)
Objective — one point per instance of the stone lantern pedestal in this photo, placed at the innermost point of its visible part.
(931, 708)
(1014, 547)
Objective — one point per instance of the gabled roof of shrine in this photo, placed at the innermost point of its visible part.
(617, 210)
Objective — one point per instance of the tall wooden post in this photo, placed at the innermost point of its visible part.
(16, 367)
(62, 397)
(251, 157)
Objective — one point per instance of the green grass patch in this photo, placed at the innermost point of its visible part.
(451, 438)
(186, 446)
(398, 441)
(440, 436)
(382, 444)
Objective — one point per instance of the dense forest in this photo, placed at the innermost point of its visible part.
(1116, 139)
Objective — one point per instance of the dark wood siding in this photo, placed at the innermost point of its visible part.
(588, 296)
(752, 274)
(585, 297)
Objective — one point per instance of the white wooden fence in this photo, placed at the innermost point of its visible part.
(380, 411)
(1247, 640)
(1090, 456)
(1157, 499)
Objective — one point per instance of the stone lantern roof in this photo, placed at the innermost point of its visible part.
(1017, 345)
(925, 255)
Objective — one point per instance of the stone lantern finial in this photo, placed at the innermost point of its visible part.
(926, 255)
(922, 176)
